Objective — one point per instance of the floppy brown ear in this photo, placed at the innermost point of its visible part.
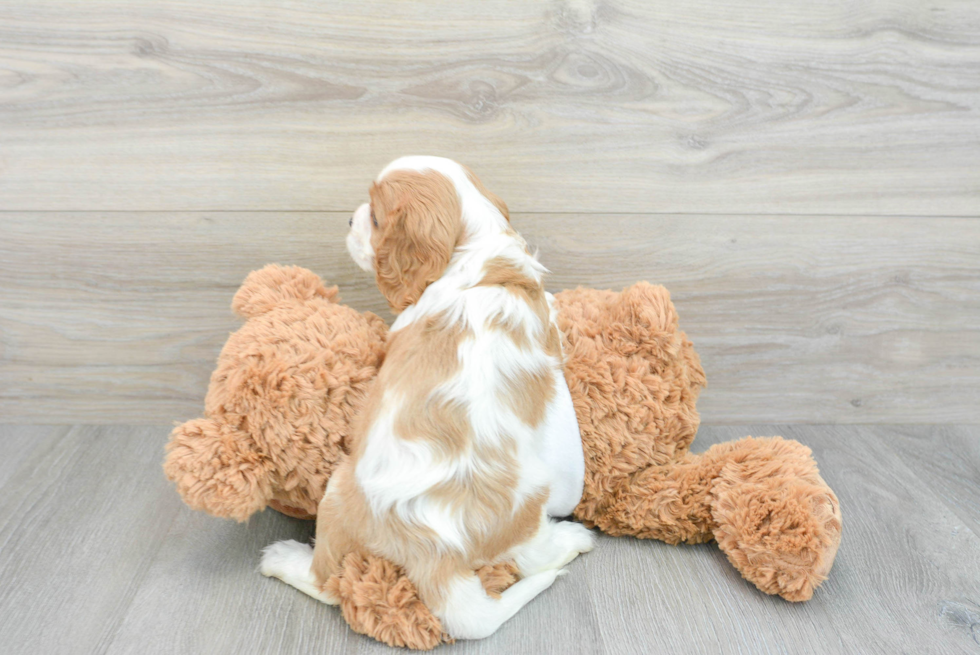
(419, 226)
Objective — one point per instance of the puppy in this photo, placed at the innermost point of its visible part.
(468, 440)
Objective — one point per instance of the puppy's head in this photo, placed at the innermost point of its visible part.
(420, 209)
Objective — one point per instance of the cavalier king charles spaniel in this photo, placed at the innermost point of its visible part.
(467, 443)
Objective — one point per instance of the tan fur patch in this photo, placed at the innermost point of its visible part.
(422, 356)
(522, 525)
(443, 422)
(552, 343)
(529, 393)
(497, 577)
(499, 271)
(419, 226)
(513, 330)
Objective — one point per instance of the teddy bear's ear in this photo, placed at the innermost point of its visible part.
(270, 286)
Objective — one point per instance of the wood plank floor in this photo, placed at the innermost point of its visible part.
(98, 555)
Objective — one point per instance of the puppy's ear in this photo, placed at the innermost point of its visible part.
(419, 227)
(487, 193)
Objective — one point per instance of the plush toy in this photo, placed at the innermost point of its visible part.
(289, 381)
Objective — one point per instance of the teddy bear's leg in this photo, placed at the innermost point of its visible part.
(775, 517)
(762, 500)
(291, 511)
(670, 503)
(216, 469)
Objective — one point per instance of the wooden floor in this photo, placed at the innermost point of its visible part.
(98, 555)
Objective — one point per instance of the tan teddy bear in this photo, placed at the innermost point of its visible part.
(290, 380)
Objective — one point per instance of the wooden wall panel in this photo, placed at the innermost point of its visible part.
(118, 317)
(572, 106)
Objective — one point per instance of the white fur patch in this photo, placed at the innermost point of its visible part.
(561, 451)
(395, 473)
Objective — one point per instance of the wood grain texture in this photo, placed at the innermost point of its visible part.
(98, 556)
(80, 522)
(21, 441)
(562, 105)
(204, 595)
(947, 459)
(119, 317)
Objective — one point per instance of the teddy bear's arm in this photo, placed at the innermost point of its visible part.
(217, 470)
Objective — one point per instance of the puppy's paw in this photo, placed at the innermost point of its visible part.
(287, 560)
(571, 540)
(574, 537)
(292, 562)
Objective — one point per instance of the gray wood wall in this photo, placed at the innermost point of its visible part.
(803, 176)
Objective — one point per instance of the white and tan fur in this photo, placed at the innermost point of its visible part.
(468, 441)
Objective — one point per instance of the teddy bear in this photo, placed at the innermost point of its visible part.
(290, 380)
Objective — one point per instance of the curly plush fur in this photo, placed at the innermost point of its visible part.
(290, 380)
(281, 400)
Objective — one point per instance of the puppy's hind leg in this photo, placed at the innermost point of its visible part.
(555, 544)
(469, 613)
(292, 562)
(304, 567)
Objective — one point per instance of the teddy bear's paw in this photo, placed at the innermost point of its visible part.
(782, 534)
(291, 562)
